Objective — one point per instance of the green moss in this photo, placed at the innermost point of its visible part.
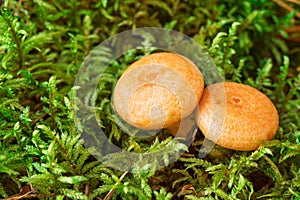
(42, 46)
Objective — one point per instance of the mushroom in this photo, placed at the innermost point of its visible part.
(249, 116)
(184, 128)
(158, 91)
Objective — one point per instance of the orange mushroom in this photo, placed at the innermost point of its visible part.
(249, 116)
(158, 91)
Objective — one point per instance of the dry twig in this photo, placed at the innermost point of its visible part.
(111, 192)
(286, 6)
(294, 1)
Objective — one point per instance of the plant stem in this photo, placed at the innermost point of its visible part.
(17, 41)
(111, 192)
(225, 53)
(286, 6)
(275, 169)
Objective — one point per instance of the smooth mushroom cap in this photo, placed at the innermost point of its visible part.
(249, 116)
(158, 90)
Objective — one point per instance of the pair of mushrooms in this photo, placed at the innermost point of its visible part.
(162, 89)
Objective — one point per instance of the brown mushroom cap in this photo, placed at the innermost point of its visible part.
(158, 90)
(249, 116)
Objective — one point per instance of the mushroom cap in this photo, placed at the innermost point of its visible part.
(249, 116)
(158, 90)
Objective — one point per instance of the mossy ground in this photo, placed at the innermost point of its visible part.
(42, 46)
